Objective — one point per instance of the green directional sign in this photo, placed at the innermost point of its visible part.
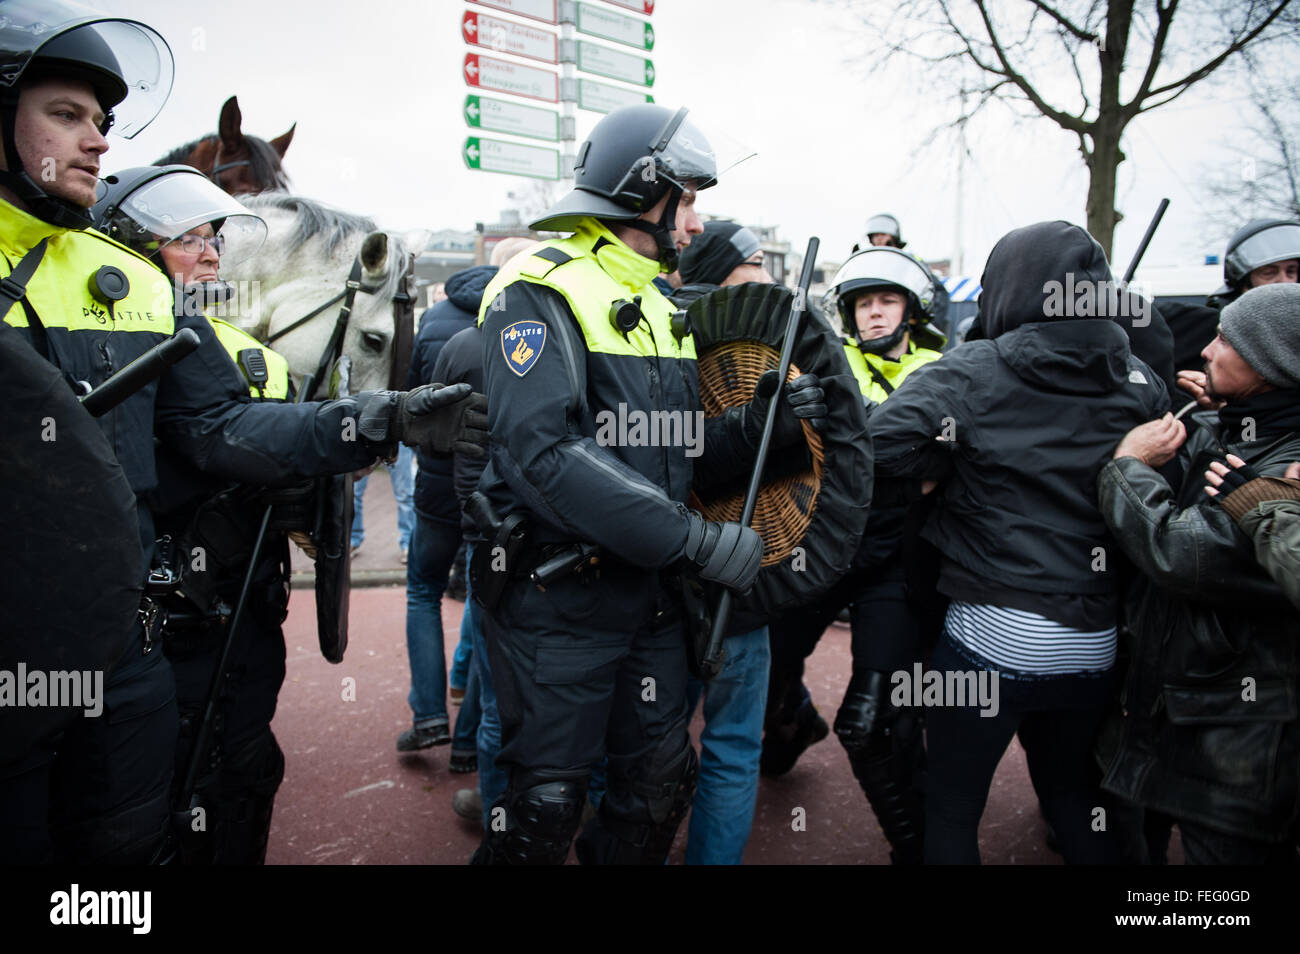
(497, 115)
(511, 158)
(603, 98)
(619, 27)
(603, 61)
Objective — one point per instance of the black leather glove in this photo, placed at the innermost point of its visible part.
(804, 401)
(431, 417)
(725, 553)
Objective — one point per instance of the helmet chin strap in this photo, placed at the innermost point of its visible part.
(662, 231)
(35, 200)
(882, 346)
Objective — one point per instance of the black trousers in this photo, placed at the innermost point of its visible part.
(588, 670)
(99, 795)
(243, 767)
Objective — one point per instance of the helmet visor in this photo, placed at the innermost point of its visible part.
(169, 206)
(682, 152)
(1276, 244)
(881, 265)
(143, 57)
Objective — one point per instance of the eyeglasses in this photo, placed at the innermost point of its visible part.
(195, 244)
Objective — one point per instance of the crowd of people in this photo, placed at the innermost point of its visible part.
(1066, 535)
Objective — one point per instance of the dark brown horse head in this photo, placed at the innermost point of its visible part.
(239, 164)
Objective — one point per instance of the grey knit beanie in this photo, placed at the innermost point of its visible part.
(1263, 326)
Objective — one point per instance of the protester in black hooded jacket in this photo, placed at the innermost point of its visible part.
(1015, 429)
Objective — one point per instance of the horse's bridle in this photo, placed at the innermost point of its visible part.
(218, 169)
(334, 347)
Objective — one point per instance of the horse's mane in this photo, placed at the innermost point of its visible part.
(332, 226)
(263, 160)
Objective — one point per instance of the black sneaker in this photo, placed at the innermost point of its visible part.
(783, 745)
(462, 763)
(414, 739)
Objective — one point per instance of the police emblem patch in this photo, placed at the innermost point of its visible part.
(522, 344)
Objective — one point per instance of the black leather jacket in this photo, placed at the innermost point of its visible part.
(1207, 730)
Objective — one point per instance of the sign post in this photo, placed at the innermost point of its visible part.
(512, 158)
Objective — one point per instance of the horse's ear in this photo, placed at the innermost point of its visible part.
(229, 123)
(374, 253)
(281, 143)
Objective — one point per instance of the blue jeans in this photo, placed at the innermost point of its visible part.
(433, 547)
(358, 498)
(462, 657)
(464, 739)
(401, 473)
(492, 781)
(730, 745)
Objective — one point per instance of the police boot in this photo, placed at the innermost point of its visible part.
(249, 780)
(535, 825)
(887, 753)
(663, 794)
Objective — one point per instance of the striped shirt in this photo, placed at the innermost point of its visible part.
(1019, 641)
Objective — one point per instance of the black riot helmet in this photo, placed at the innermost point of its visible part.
(127, 64)
(146, 206)
(633, 158)
(1258, 243)
(882, 267)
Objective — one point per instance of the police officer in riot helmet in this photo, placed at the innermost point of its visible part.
(68, 74)
(595, 664)
(882, 229)
(179, 220)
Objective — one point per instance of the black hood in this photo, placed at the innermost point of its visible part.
(465, 289)
(1026, 260)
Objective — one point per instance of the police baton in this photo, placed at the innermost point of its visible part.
(1146, 240)
(140, 372)
(711, 665)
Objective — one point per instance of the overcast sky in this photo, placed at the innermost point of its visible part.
(376, 89)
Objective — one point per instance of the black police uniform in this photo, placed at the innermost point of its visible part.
(596, 665)
(108, 776)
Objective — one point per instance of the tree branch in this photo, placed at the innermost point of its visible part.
(1062, 119)
(1205, 70)
(1063, 21)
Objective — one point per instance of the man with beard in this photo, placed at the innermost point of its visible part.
(1208, 733)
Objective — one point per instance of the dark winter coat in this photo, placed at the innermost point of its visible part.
(434, 496)
(1017, 428)
(1208, 730)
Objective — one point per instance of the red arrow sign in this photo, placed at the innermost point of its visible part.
(487, 72)
(469, 26)
(640, 6)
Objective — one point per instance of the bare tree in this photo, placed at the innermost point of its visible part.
(1263, 181)
(1090, 66)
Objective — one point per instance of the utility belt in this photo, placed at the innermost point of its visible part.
(510, 553)
(196, 579)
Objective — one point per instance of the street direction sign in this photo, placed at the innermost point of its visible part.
(608, 25)
(603, 98)
(545, 10)
(497, 115)
(511, 158)
(640, 6)
(507, 36)
(615, 64)
(502, 76)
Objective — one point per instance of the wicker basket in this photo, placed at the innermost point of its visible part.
(728, 373)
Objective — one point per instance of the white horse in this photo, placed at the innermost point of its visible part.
(309, 252)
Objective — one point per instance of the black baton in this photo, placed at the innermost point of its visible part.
(1146, 240)
(140, 372)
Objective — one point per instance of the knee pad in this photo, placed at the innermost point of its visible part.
(639, 817)
(863, 715)
(541, 819)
